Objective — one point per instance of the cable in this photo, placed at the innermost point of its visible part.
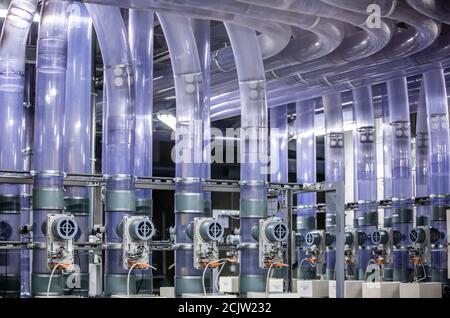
(270, 273)
(128, 278)
(216, 283)
(424, 273)
(51, 276)
(204, 272)
(268, 279)
(147, 266)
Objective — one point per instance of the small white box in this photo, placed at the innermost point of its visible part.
(312, 288)
(168, 292)
(272, 295)
(420, 290)
(200, 295)
(381, 290)
(352, 289)
(229, 284)
(276, 285)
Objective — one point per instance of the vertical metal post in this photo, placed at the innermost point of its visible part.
(340, 237)
(288, 217)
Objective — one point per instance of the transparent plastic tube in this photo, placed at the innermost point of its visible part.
(279, 144)
(334, 167)
(119, 131)
(435, 9)
(401, 175)
(140, 26)
(295, 89)
(274, 36)
(189, 142)
(366, 216)
(422, 160)
(438, 131)
(202, 33)
(306, 173)
(49, 115)
(25, 206)
(253, 143)
(13, 41)
(77, 132)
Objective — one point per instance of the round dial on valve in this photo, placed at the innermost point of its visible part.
(64, 228)
(417, 235)
(211, 230)
(380, 237)
(313, 238)
(276, 232)
(141, 229)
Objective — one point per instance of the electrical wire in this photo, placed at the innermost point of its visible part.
(204, 272)
(128, 278)
(51, 276)
(147, 266)
(270, 273)
(216, 283)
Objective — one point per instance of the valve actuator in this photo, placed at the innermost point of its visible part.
(207, 233)
(61, 231)
(273, 234)
(136, 232)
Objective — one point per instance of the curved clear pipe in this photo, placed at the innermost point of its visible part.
(13, 42)
(51, 67)
(189, 196)
(279, 94)
(119, 136)
(274, 36)
(402, 213)
(435, 9)
(438, 131)
(77, 130)
(140, 27)
(253, 156)
(366, 215)
(334, 167)
(306, 173)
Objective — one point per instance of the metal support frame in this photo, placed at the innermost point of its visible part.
(97, 182)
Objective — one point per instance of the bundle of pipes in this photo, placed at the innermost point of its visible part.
(305, 49)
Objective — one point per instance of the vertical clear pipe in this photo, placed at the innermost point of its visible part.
(422, 160)
(119, 137)
(253, 156)
(25, 199)
(188, 151)
(387, 172)
(13, 42)
(279, 144)
(140, 26)
(334, 168)
(77, 132)
(402, 212)
(423, 211)
(366, 215)
(48, 190)
(438, 131)
(306, 173)
(202, 33)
